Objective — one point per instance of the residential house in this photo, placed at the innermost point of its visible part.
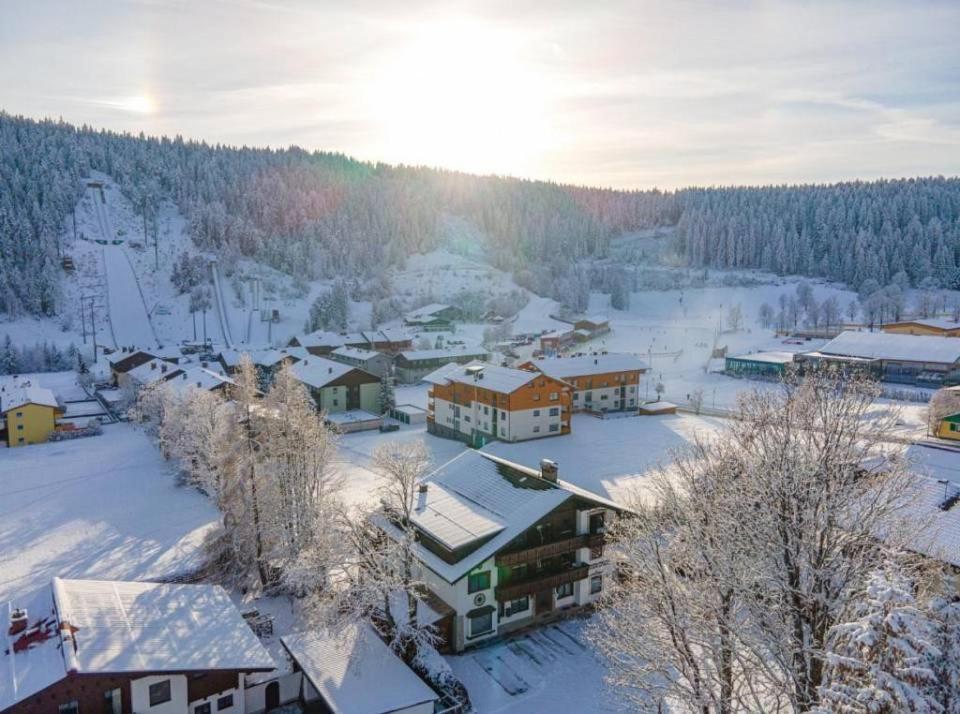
(480, 402)
(148, 373)
(949, 427)
(373, 362)
(601, 382)
(200, 376)
(354, 672)
(937, 326)
(338, 387)
(389, 340)
(593, 325)
(411, 366)
(322, 343)
(908, 359)
(266, 363)
(435, 317)
(506, 546)
(123, 360)
(29, 414)
(553, 342)
(82, 646)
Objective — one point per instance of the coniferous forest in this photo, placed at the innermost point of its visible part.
(316, 215)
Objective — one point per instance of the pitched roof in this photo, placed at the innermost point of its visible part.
(317, 372)
(940, 323)
(197, 377)
(27, 393)
(888, 345)
(426, 312)
(153, 371)
(355, 671)
(417, 355)
(478, 497)
(937, 505)
(486, 376)
(567, 367)
(109, 627)
(263, 358)
(355, 353)
(323, 338)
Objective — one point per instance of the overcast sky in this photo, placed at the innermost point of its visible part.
(626, 94)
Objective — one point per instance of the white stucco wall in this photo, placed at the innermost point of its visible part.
(140, 695)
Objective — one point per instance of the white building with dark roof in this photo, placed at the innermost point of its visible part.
(91, 646)
(506, 546)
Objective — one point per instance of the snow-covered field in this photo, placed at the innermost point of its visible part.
(101, 507)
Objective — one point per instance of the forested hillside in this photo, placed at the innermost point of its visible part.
(316, 215)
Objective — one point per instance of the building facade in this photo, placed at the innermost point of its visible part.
(478, 403)
(505, 546)
(411, 366)
(338, 387)
(600, 382)
(28, 415)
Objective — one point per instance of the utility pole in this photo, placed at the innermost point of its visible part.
(93, 328)
(83, 320)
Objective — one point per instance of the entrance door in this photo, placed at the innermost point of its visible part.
(544, 601)
(273, 695)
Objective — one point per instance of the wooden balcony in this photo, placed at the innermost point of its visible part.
(541, 581)
(541, 552)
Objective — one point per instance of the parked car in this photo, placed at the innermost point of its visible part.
(389, 427)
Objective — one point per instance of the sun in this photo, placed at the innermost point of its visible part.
(459, 95)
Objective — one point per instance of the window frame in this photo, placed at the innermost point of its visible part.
(220, 700)
(598, 580)
(561, 589)
(487, 615)
(470, 582)
(156, 701)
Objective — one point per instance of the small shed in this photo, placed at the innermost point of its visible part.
(351, 420)
(409, 414)
(353, 672)
(655, 408)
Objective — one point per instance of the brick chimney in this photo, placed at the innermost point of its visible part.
(18, 622)
(549, 470)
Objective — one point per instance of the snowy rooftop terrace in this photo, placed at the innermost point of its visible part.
(889, 346)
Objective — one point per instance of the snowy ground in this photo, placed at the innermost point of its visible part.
(549, 669)
(102, 507)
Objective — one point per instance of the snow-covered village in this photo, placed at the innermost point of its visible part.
(445, 362)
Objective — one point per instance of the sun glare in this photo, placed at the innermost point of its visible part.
(459, 95)
(135, 104)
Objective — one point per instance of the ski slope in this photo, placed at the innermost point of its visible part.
(128, 313)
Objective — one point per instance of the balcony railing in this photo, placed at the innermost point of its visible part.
(541, 581)
(541, 552)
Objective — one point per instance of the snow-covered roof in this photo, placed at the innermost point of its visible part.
(504, 380)
(478, 497)
(411, 409)
(388, 334)
(263, 358)
(25, 672)
(940, 538)
(355, 671)
(153, 371)
(154, 627)
(112, 627)
(935, 461)
(940, 323)
(568, 367)
(197, 377)
(772, 357)
(351, 416)
(417, 355)
(323, 338)
(355, 353)
(425, 313)
(318, 372)
(28, 393)
(891, 346)
(596, 319)
(120, 355)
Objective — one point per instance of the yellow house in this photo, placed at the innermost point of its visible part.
(29, 415)
(949, 427)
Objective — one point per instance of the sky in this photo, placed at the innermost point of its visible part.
(601, 92)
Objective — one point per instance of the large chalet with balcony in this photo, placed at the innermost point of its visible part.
(601, 382)
(503, 546)
(480, 402)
